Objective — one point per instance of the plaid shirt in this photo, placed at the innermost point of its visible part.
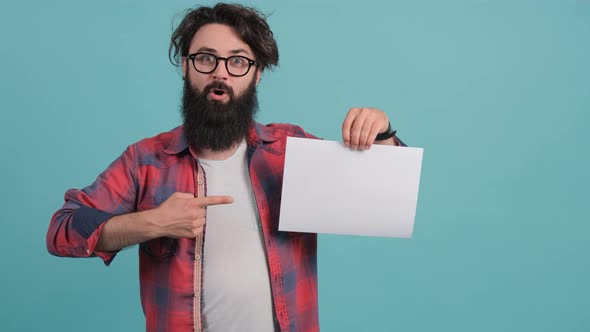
(142, 178)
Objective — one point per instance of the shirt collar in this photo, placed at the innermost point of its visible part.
(258, 134)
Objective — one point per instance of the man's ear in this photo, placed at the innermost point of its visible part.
(258, 75)
(183, 64)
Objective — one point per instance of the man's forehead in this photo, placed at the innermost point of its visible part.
(220, 39)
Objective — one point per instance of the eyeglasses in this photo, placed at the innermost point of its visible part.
(206, 63)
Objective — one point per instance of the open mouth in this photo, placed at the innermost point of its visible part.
(218, 92)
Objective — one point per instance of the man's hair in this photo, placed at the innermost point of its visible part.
(248, 22)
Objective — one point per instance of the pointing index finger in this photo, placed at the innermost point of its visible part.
(216, 200)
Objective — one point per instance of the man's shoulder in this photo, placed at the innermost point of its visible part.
(171, 141)
(276, 131)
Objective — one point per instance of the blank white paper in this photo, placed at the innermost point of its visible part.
(329, 188)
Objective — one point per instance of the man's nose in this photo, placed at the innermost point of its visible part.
(220, 72)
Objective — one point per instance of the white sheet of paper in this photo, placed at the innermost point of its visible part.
(329, 188)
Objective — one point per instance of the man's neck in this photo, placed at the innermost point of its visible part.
(219, 154)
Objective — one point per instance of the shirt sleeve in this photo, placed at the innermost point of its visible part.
(399, 141)
(75, 228)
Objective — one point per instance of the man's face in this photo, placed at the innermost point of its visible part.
(222, 41)
(218, 108)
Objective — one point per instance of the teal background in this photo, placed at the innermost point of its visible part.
(496, 92)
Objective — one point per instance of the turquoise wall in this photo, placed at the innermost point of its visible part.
(496, 92)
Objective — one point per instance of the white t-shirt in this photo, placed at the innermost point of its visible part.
(236, 285)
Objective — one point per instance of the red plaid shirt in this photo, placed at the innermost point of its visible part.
(142, 178)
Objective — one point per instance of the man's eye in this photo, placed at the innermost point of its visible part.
(205, 58)
(238, 61)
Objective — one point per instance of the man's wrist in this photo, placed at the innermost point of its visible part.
(149, 219)
(387, 134)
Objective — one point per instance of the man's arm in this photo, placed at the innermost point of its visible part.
(126, 230)
(396, 141)
(180, 216)
(75, 228)
(390, 141)
(101, 219)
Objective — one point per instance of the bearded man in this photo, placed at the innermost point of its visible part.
(202, 200)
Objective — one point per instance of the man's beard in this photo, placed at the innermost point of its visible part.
(210, 124)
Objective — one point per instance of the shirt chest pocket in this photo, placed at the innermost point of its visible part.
(160, 248)
(164, 177)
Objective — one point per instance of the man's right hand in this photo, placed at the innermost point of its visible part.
(182, 215)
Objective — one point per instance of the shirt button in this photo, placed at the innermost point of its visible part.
(197, 257)
(199, 182)
(196, 294)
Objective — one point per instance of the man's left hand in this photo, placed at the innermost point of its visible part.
(362, 125)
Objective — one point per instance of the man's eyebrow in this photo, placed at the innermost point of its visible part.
(207, 49)
(239, 50)
(214, 51)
